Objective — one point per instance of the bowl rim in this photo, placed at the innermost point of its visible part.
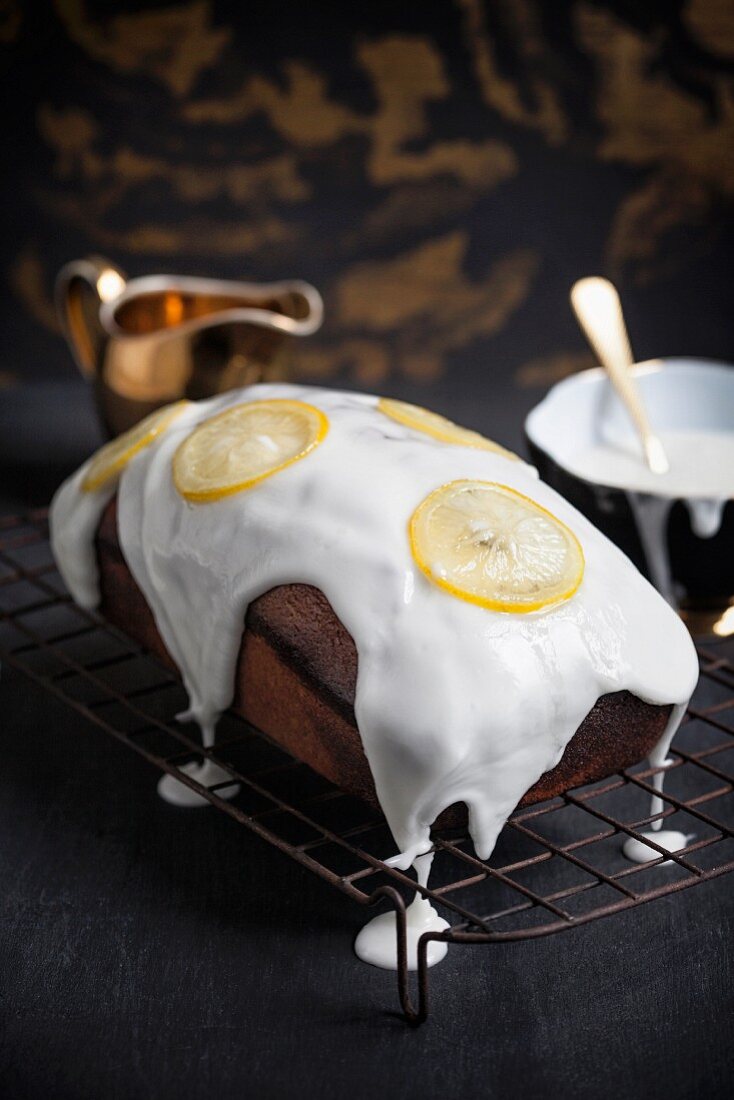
(594, 376)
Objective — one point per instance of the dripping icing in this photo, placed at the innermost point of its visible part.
(671, 839)
(701, 475)
(453, 702)
(207, 774)
(377, 942)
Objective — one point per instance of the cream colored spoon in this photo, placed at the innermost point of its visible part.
(599, 311)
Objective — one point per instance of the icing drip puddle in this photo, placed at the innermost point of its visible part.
(377, 943)
(671, 839)
(207, 773)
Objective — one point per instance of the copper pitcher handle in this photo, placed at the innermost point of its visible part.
(82, 287)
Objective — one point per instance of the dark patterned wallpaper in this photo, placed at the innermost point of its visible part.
(441, 170)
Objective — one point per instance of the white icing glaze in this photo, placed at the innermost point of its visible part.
(651, 519)
(377, 942)
(701, 474)
(701, 466)
(706, 514)
(453, 702)
(671, 839)
(74, 519)
(207, 773)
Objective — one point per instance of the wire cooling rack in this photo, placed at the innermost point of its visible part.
(556, 866)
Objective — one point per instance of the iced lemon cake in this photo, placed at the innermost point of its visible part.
(398, 601)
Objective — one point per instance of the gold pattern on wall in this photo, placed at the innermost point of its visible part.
(544, 113)
(307, 119)
(173, 45)
(411, 207)
(423, 306)
(651, 122)
(11, 16)
(440, 310)
(544, 371)
(647, 215)
(647, 119)
(29, 280)
(72, 134)
(304, 115)
(298, 107)
(103, 181)
(401, 117)
(414, 174)
(712, 23)
(193, 236)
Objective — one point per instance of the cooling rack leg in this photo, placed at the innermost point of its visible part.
(401, 929)
(412, 1015)
(423, 977)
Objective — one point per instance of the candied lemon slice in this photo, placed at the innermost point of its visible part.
(490, 545)
(241, 446)
(439, 427)
(111, 459)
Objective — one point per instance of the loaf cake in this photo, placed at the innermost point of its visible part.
(398, 602)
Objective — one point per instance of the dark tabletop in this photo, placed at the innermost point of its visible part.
(150, 952)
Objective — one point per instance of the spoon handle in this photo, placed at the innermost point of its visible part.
(599, 311)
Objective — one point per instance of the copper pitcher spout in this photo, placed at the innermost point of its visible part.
(147, 341)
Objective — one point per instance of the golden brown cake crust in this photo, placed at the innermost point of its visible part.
(296, 677)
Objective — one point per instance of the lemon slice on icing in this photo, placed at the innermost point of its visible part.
(111, 459)
(438, 427)
(490, 545)
(241, 446)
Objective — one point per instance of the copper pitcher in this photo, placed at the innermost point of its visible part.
(147, 341)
